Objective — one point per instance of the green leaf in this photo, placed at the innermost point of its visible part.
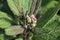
(4, 23)
(14, 30)
(13, 6)
(4, 15)
(53, 23)
(1, 36)
(48, 16)
(49, 22)
(17, 6)
(53, 28)
(49, 5)
(25, 4)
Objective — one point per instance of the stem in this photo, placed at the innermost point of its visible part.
(38, 7)
(32, 8)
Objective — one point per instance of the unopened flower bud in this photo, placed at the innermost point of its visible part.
(33, 25)
(29, 19)
(25, 26)
(33, 18)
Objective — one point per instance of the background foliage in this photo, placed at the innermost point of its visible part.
(49, 20)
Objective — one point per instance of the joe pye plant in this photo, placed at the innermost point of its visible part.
(32, 20)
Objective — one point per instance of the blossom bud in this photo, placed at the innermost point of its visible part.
(33, 25)
(33, 18)
(28, 19)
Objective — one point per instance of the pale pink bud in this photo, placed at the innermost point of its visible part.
(33, 18)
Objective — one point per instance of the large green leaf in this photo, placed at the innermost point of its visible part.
(17, 6)
(50, 23)
(25, 4)
(53, 22)
(46, 5)
(4, 23)
(53, 28)
(13, 7)
(48, 16)
(14, 30)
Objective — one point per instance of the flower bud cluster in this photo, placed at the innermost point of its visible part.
(32, 19)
